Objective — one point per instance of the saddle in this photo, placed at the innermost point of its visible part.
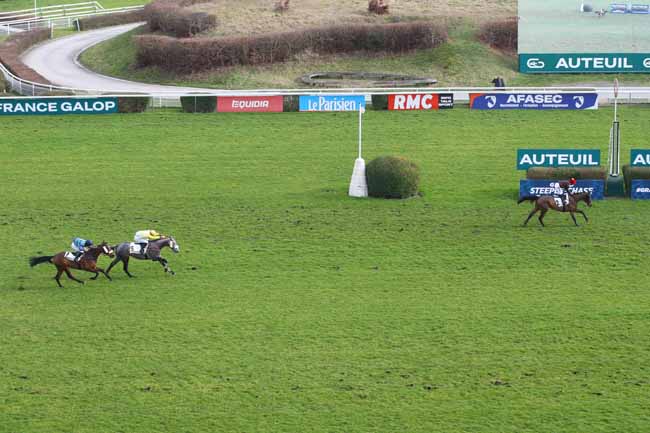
(72, 256)
(136, 248)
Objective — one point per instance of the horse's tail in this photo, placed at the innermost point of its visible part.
(33, 261)
(527, 198)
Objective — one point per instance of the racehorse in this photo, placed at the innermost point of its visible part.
(87, 262)
(123, 254)
(546, 202)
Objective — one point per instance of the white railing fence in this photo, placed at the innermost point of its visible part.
(61, 16)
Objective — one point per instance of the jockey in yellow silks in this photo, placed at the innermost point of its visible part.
(143, 237)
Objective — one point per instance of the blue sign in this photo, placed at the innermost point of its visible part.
(35, 106)
(332, 103)
(533, 101)
(541, 187)
(640, 158)
(640, 190)
(527, 158)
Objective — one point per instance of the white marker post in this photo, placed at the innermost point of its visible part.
(358, 184)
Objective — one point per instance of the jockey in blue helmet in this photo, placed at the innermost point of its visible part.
(80, 246)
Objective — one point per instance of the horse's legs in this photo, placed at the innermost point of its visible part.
(165, 265)
(69, 274)
(541, 216)
(98, 270)
(125, 264)
(96, 275)
(115, 261)
(583, 214)
(530, 215)
(58, 277)
(573, 216)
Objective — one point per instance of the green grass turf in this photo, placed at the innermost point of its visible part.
(462, 62)
(296, 308)
(16, 5)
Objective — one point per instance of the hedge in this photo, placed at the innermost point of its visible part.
(630, 173)
(392, 177)
(500, 34)
(172, 17)
(11, 49)
(199, 104)
(110, 20)
(200, 54)
(134, 104)
(379, 102)
(566, 173)
(290, 103)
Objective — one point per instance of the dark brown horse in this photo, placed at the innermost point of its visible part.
(87, 262)
(546, 202)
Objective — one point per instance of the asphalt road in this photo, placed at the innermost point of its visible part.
(57, 61)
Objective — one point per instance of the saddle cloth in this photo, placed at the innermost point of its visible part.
(69, 256)
(137, 248)
(559, 202)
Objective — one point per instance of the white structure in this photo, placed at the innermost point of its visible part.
(358, 183)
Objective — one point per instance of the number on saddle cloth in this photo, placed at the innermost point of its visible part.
(559, 202)
(70, 256)
(137, 248)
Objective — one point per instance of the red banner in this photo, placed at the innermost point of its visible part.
(249, 104)
(420, 101)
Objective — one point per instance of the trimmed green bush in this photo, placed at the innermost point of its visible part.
(566, 173)
(199, 104)
(290, 103)
(392, 177)
(379, 102)
(134, 104)
(631, 173)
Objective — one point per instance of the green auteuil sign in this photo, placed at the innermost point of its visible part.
(35, 106)
(580, 63)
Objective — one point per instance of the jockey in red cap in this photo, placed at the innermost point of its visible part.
(563, 189)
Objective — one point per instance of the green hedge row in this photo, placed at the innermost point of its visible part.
(632, 173)
(201, 54)
(199, 104)
(566, 173)
(133, 105)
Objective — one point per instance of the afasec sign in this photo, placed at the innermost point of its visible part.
(249, 104)
(423, 101)
(527, 158)
(578, 63)
(541, 187)
(640, 158)
(332, 103)
(58, 106)
(533, 101)
(640, 190)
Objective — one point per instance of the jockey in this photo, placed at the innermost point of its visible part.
(563, 190)
(80, 246)
(143, 237)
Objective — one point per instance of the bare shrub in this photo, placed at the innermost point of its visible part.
(500, 34)
(378, 7)
(281, 6)
(200, 54)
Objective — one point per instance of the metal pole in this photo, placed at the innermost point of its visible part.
(361, 110)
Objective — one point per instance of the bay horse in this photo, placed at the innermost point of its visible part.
(87, 262)
(123, 254)
(546, 202)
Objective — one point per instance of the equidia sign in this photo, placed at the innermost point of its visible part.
(545, 187)
(332, 103)
(249, 104)
(640, 158)
(423, 101)
(58, 106)
(640, 190)
(527, 158)
(533, 101)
